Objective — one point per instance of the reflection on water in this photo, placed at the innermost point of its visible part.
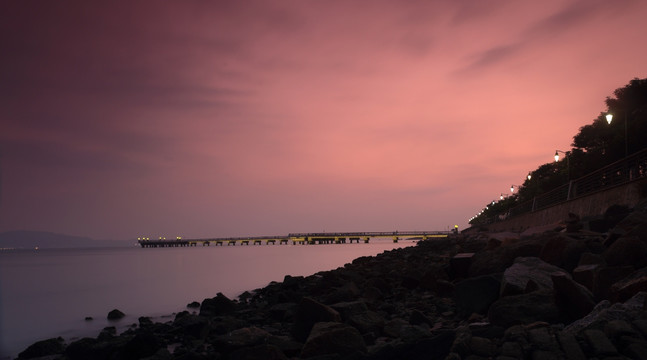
(58, 288)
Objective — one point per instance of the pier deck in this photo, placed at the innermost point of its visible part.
(294, 239)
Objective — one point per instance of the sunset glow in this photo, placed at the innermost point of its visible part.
(196, 119)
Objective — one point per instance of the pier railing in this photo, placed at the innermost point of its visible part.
(295, 238)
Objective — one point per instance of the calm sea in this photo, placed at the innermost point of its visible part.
(49, 293)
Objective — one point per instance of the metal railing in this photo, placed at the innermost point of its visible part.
(629, 169)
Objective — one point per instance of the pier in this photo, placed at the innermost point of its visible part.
(294, 239)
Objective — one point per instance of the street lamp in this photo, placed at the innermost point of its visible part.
(503, 195)
(529, 175)
(512, 188)
(568, 165)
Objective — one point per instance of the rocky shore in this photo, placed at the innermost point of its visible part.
(575, 290)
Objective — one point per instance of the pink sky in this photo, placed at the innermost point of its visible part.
(235, 118)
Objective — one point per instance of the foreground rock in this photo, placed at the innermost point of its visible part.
(559, 293)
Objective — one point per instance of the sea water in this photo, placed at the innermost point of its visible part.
(50, 292)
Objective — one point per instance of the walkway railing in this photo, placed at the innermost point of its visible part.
(629, 169)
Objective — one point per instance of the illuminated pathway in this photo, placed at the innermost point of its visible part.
(297, 238)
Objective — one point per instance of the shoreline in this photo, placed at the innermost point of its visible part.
(482, 294)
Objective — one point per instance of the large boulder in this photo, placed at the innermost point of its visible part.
(499, 259)
(629, 286)
(310, 312)
(563, 251)
(517, 277)
(42, 348)
(574, 300)
(115, 315)
(627, 250)
(475, 295)
(524, 309)
(605, 312)
(333, 338)
(218, 305)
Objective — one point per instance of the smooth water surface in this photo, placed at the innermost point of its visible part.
(49, 293)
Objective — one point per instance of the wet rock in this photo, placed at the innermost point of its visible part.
(333, 338)
(42, 348)
(218, 305)
(192, 325)
(245, 337)
(309, 312)
(115, 315)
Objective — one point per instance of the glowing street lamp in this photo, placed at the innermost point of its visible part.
(529, 176)
(568, 165)
(512, 187)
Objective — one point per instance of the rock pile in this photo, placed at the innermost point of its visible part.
(577, 291)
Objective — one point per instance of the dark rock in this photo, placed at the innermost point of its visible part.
(218, 305)
(42, 348)
(347, 309)
(586, 275)
(310, 312)
(332, 338)
(258, 352)
(115, 315)
(573, 223)
(499, 259)
(368, 322)
(607, 277)
(239, 338)
(570, 346)
(141, 345)
(193, 305)
(516, 277)
(88, 348)
(604, 312)
(563, 251)
(524, 309)
(475, 295)
(574, 300)
(627, 251)
(482, 347)
(283, 311)
(629, 286)
(192, 325)
(600, 344)
(107, 333)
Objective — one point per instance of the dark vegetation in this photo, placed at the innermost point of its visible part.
(595, 146)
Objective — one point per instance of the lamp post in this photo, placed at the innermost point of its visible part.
(512, 187)
(568, 165)
(609, 117)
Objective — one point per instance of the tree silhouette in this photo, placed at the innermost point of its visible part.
(594, 146)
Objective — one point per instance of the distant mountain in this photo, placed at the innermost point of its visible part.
(48, 240)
